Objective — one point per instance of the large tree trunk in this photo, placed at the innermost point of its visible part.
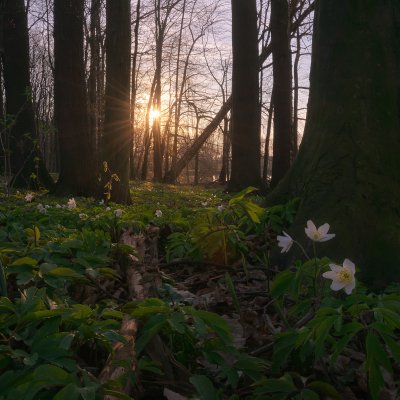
(347, 169)
(246, 111)
(27, 168)
(282, 68)
(117, 129)
(70, 102)
(93, 90)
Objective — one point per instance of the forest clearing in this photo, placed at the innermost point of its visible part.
(199, 199)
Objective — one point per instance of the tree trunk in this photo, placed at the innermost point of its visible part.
(282, 67)
(117, 129)
(133, 171)
(70, 102)
(246, 112)
(27, 168)
(226, 146)
(93, 90)
(268, 139)
(347, 169)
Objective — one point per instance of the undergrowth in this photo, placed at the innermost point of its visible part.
(64, 299)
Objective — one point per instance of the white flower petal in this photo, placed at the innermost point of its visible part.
(323, 229)
(327, 237)
(311, 226)
(336, 285)
(350, 265)
(349, 288)
(335, 267)
(329, 275)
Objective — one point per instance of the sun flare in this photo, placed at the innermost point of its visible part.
(154, 114)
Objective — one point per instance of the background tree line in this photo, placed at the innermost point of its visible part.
(147, 87)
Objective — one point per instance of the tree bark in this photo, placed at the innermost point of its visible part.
(117, 129)
(27, 167)
(70, 102)
(282, 68)
(347, 169)
(133, 171)
(246, 111)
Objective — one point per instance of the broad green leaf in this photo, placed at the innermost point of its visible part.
(151, 328)
(281, 385)
(284, 344)
(325, 389)
(24, 261)
(376, 353)
(69, 392)
(282, 283)
(394, 347)
(216, 323)
(204, 387)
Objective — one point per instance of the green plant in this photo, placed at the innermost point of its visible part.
(40, 343)
(197, 339)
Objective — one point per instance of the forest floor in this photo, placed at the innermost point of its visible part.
(173, 297)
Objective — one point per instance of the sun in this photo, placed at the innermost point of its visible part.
(154, 114)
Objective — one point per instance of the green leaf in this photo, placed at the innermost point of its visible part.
(232, 291)
(117, 394)
(348, 331)
(376, 357)
(376, 353)
(241, 195)
(49, 374)
(24, 261)
(375, 381)
(282, 283)
(64, 272)
(177, 322)
(394, 347)
(284, 344)
(324, 389)
(321, 332)
(390, 317)
(151, 328)
(215, 322)
(281, 385)
(69, 392)
(204, 387)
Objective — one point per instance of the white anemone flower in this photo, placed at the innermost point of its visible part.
(71, 203)
(220, 208)
(318, 235)
(29, 197)
(342, 276)
(285, 242)
(83, 216)
(118, 213)
(158, 213)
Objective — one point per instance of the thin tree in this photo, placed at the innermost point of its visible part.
(117, 129)
(246, 113)
(70, 101)
(196, 145)
(133, 171)
(26, 165)
(347, 169)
